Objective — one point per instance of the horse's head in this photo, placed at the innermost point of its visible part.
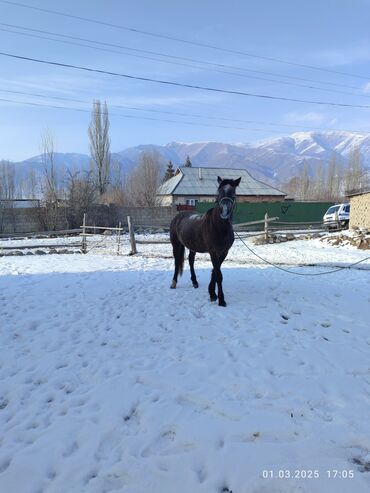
(226, 196)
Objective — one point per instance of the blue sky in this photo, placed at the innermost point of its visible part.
(331, 35)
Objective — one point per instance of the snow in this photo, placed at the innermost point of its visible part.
(112, 382)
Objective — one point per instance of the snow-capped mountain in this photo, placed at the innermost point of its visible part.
(274, 161)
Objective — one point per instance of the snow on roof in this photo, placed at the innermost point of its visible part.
(203, 181)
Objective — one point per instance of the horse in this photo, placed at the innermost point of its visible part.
(211, 232)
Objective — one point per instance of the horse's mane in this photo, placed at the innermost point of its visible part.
(209, 212)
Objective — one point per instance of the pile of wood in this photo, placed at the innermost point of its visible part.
(282, 237)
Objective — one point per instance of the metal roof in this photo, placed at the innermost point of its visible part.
(203, 181)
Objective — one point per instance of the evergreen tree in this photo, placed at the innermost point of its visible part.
(188, 162)
(169, 171)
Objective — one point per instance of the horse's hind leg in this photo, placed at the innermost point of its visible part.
(178, 253)
(192, 271)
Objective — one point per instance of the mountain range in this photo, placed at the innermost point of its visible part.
(274, 161)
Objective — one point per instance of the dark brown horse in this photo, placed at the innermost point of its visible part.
(211, 232)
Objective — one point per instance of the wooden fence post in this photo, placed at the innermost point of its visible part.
(119, 237)
(337, 220)
(132, 236)
(266, 228)
(84, 245)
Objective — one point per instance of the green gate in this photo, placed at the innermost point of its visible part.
(290, 212)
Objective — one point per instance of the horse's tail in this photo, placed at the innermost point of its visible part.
(177, 246)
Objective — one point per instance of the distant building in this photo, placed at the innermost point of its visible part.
(19, 203)
(191, 185)
(359, 216)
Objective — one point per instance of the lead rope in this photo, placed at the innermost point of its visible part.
(300, 273)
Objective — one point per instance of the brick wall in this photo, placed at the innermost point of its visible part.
(360, 211)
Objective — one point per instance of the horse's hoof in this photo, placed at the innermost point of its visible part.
(173, 285)
(195, 285)
(222, 303)
(213, 297)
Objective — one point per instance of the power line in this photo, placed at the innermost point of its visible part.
(179, 84)
(175, 113)
(82, 110)
(179, 63)
(180, 40)
(166, 55)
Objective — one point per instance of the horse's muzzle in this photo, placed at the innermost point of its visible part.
(226, 206)
(225, 212)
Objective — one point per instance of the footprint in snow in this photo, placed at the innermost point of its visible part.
(363, 463)
(4, 464)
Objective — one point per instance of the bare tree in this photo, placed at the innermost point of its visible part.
(7, 193)
(30, 185)
(333, 180)
(304, 182)
(142, 184)
(116, 191)
(317, 184)
(355, 176)
(321, 186)
(81, 193)
(7, 182)
(100, 145)
(53, 183)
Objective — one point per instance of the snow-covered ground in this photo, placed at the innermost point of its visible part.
(112, 382)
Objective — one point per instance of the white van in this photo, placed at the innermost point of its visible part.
(337, 216)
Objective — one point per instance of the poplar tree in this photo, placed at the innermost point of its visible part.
(100, 145)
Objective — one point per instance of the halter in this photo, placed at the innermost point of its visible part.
(233, 202)
(227, 198)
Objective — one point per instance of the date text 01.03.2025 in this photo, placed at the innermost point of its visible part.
(307, 474)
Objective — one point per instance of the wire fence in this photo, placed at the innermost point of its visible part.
(93, 238)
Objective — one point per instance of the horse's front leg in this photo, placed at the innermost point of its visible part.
(212, 286)
(217, 276)
(192, 271)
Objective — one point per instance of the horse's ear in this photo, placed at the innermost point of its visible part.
(219, 180)
(236, 182)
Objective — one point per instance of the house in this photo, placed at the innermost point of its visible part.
(191, 185)
(360, 209)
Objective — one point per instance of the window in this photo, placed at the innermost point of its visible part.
(333, 209)
(191, 201)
